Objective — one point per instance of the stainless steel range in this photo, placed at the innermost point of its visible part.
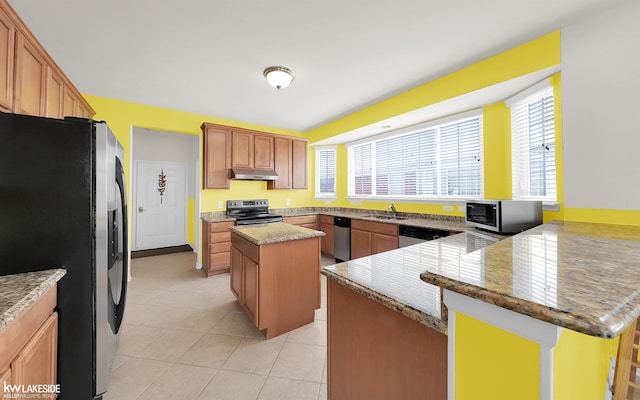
(250, 212)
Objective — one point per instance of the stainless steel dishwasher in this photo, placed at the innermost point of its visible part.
(342, 238)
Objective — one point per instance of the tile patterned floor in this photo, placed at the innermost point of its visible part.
(186, 337)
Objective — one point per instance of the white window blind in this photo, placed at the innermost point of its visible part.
(325, 172)
(437, 160)
(533, 144)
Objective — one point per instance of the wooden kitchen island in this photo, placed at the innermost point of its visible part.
(275, 275)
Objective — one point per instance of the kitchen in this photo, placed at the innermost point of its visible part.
(600, 198)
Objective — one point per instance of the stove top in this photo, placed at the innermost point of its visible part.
(249, 212)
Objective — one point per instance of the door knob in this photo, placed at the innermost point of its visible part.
(141, 209)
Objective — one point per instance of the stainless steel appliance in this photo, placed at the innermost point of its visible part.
(409, 235)
(63, 205)
(249, 212)
(342, 238)
(504, 216)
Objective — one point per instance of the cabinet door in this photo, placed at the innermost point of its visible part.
(70, 103)
(263, 154)
(360, 243)
(5, 378)
(7, 45)
(82, 111)
(36, 362)
(54, 104)
(217, 157)
(242, 148)
(326, 243)
(236, 273)
(31, 73)
(299, 164)
(251, 291)
(380, 243)
(282, 164)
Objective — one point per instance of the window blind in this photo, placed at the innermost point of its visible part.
(326, 171)
(533, 146)
(435, 161)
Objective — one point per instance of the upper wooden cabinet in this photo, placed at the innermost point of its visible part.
(30, 81)
(7, 46)
(227, 147)
(299, 164)
(282, 163)
(217, 156)
(252, 150)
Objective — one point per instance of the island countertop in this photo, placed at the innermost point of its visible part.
(580, 276)
(392, 278)
(19, 291)
(275, 232)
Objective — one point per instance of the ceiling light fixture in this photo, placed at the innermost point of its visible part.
(278, 77)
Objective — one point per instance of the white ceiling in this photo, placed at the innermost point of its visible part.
(207, 56)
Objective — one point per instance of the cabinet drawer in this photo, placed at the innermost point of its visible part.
(218, 260)
(378, 227)
(220, 226)
(219, 247)
(303, 219)
(326, 219)
(247, 248)
(219, 237)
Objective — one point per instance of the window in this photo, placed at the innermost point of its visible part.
(326, 172)
(438, 159)
(533, 144)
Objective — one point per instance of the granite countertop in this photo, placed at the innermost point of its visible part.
(581, 276)
(435, 221)
(392, 278)
(274, 232)
(19, 291)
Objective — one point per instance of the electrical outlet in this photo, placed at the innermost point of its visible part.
(462, 208)
(220, 204)
(327, 202)
(448, 208)
(288, 202)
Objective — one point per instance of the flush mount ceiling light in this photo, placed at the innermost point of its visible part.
(278, 77)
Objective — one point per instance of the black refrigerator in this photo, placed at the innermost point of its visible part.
(63, 205)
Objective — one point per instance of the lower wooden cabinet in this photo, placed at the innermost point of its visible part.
(36, 363)
(305, 221)
(29, 346)
(326, 226)
(368, 237)
(277, 284)
(387, 355)
(216, 246)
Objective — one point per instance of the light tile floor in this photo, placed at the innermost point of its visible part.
(186, 337)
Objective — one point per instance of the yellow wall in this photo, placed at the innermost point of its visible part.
(493, 364)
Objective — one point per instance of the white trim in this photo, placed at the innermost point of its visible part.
(478, 112)
(543, 333)
(531, 90)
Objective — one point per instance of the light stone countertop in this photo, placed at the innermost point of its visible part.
(434, 221)
(580, 276)
(19, 291)
(392, 278)
(275, 232)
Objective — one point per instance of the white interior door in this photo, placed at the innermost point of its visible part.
(161, 200)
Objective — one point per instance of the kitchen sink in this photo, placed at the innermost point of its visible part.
(376, 216)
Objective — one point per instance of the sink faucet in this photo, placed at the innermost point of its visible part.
(393, 209)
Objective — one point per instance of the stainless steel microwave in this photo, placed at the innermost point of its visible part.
(504, 216)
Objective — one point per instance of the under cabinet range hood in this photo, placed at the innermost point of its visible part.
(249, 174)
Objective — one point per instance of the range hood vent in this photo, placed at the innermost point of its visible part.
(248, 174)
